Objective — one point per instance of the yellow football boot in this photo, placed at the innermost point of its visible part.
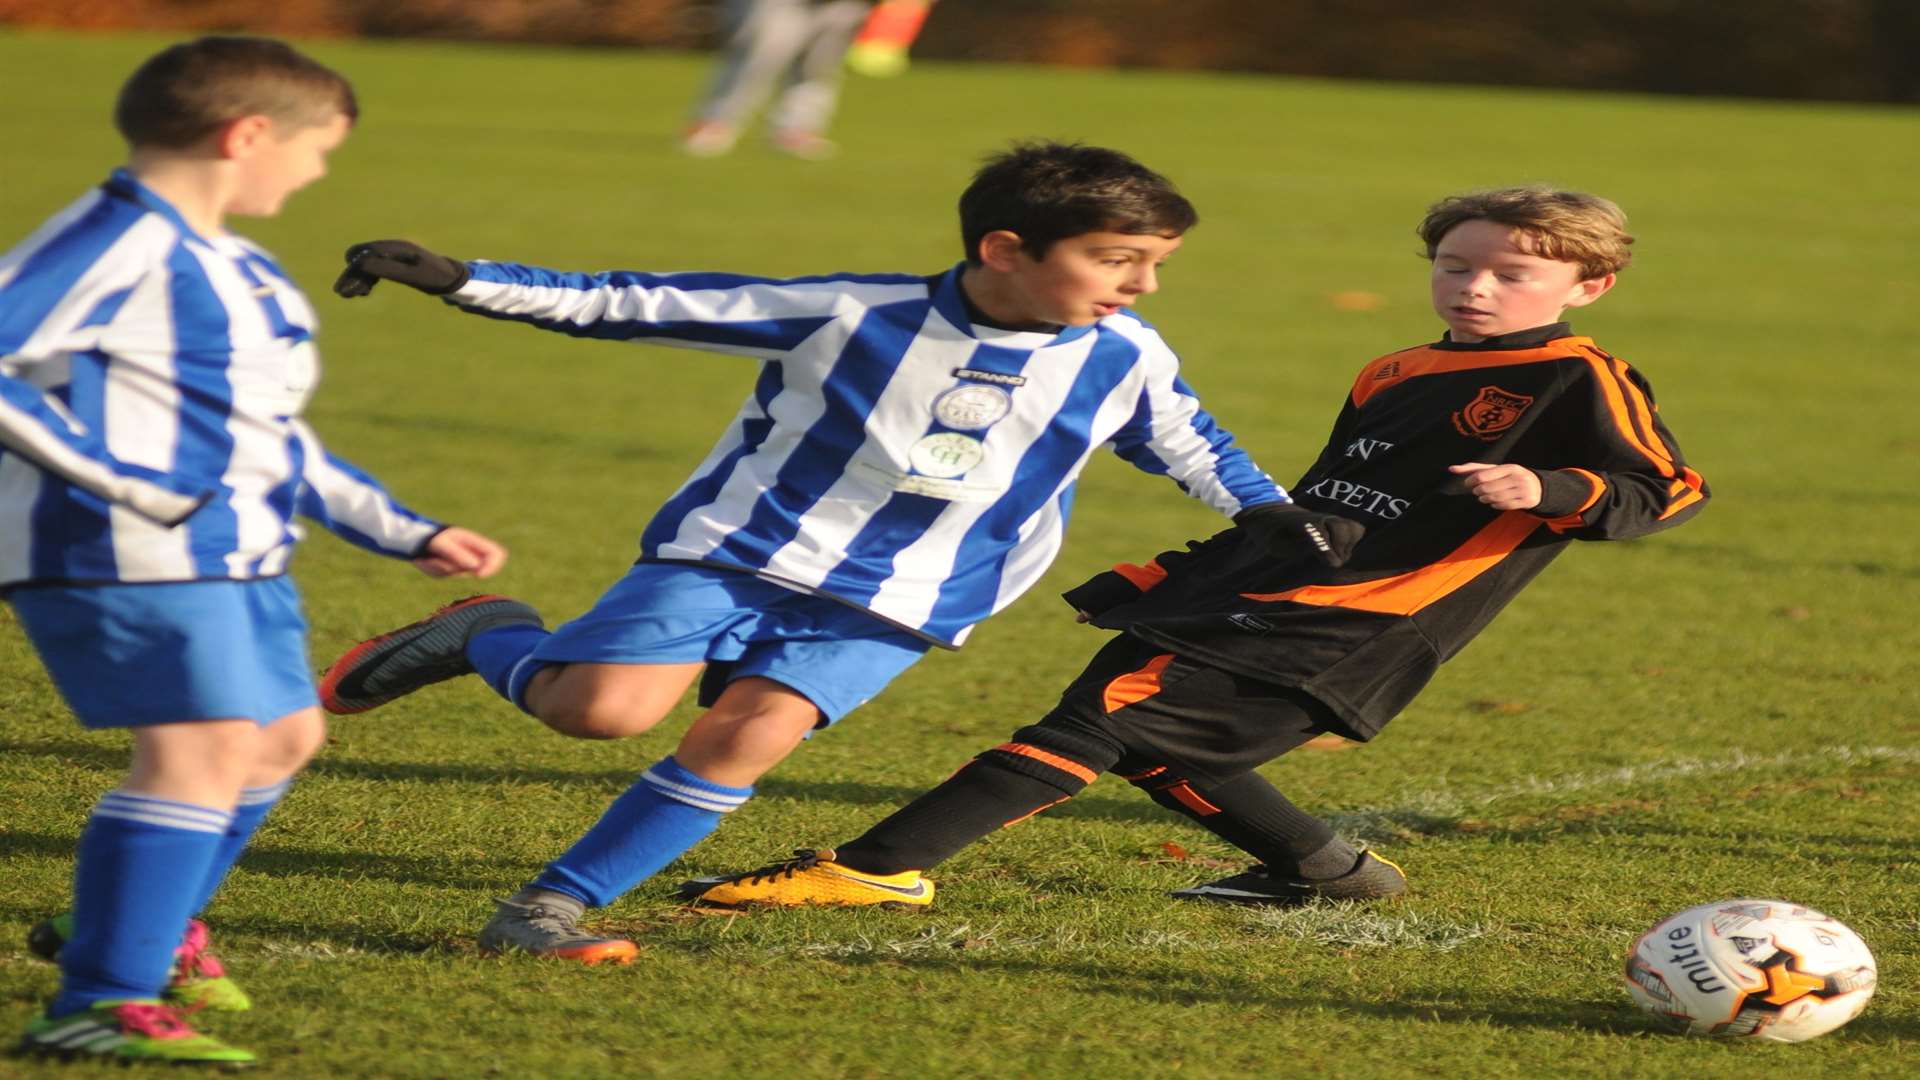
(810, 877)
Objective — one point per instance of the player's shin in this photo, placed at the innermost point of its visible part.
(1252, 815)
(1041, 766)
(255, 803)
(652, 823)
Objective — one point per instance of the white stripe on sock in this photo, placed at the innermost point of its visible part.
(254, 796)
(693, 796)
(118, 800)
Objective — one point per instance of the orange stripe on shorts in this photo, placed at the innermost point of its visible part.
(1135, 686)
(1191, 799)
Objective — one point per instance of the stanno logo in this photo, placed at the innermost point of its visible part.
(1387, 370)
(1492, 412)
(989, 376)
(1252, 624)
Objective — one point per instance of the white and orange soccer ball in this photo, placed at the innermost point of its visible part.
(1762, 969)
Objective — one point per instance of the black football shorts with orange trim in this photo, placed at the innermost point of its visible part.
(1200, 721)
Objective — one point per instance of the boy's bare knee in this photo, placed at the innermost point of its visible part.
(747, 732)
(600, 701)
(599, 713)
(598, 718)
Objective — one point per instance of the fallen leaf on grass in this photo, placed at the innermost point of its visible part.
(1357, 300)
(1328, 742)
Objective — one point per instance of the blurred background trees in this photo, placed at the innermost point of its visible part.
(1861, 50)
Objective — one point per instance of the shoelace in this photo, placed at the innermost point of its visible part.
(555, 921)
(194, 958)
(153, 1021)
(803, 859)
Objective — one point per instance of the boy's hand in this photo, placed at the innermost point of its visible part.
(402, 261)
(1289, 532)
(458, 552)
(1503, 487)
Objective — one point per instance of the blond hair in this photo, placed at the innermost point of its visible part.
(189, 91)
(1565, 226)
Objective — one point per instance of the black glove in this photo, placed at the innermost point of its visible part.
(402, 261)
(1289, 531)
(1101, 593)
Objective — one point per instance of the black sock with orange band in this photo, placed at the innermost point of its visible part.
(1039, 767)
(1252, 815)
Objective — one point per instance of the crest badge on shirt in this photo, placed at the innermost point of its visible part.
(972, 407)
(1491, 413)
(946, 454)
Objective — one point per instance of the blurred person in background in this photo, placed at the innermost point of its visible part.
(801, 44)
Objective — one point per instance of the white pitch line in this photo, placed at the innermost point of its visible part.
(1376, 822)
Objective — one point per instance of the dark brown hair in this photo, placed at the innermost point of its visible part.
(1048, 191)
(185, 93)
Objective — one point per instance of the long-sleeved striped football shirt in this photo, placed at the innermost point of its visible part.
(893, 455)
(151, 384)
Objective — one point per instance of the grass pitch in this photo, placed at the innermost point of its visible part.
(1725, 710)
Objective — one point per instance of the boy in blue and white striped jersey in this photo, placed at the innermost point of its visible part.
(903, 468)
(153, 368)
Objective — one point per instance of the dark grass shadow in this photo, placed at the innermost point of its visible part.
(15, 844)
(404, 869)
(294, 932)
(884, 798)
(70, 750)
(289, 862)
(1751, 843)
(1164, 986)
(1611, 1017)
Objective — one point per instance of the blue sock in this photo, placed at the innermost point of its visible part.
(503, 656)
(668, 811)
(255, 803)
(140, 866)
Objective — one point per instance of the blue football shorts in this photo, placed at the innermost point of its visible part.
(673, 613)
(170, 652)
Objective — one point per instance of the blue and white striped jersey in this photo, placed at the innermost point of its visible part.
(151, 384)
(893, 455)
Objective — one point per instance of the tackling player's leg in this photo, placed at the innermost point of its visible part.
(754, 725)
(419, 654)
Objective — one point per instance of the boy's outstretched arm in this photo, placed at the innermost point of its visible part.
(730, 313)
(403, 261)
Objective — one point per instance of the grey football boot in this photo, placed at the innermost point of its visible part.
(1372, 878)
(418, 654)
(546, 923)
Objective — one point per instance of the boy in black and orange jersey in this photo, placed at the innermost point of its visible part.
(1471, 463)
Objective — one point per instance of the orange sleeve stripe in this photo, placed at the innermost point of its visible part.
(1599, 489)
(1191, 799)
(1142, 577)
(1071, 768)
(1574, 520)
(1642, 412)
(1623, 418)
(1637, 425)
(1136, 685)
(1404, 594)
(1691, 483)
